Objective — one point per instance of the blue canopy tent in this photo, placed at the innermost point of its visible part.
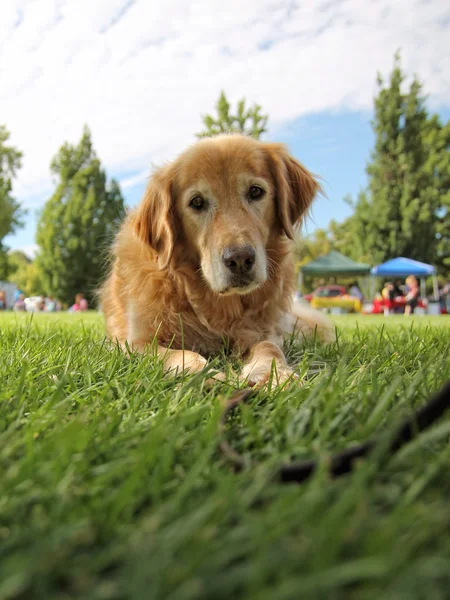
(402, 267)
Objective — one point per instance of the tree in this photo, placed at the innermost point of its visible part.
(17, 260)
(310, 247)
(28, 279)
(405, 209)
(24, 273)
(10, 211)
(77, 223)
(226, 123)
(349, 237)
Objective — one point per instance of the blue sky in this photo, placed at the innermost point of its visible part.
(140, 74)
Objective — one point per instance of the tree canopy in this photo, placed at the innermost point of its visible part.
(77, 223)
(308, 248)
(10, 211)
(249, 121)
(405, 209)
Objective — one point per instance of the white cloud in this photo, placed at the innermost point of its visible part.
(29, 249)
(140, 72)
(129, 182)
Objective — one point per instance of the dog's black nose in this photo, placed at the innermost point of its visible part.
(239, 260)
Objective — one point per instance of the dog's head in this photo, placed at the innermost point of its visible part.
(221, 203)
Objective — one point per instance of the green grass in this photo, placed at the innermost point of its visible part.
(111, 485)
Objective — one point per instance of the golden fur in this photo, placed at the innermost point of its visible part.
(169, 281)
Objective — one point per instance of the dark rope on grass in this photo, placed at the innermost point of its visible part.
(342, 462)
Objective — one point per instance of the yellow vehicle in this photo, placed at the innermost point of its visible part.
(334, 296)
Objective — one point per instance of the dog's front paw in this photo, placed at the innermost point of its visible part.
(259, 376)
(183, 361)
(216, 377)
(193, 362)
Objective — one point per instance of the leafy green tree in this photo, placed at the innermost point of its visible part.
(349, 237)
(247, 120)
(16, 261)
(310, 247)
(78, 222)
(405, 209)
(28, 278)
(24, 273)
(10, 211)
(437, 168)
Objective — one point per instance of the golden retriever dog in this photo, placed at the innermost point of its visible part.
(205, 260)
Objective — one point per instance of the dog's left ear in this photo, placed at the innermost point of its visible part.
(296, 187)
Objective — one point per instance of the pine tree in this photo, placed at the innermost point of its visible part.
(405, 210)
(77, 223)
(227, 123)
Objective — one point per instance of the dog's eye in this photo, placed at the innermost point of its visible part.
(255, 192)
(197, 203)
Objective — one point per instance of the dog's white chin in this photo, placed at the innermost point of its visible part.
(224, 284)
(240, 291)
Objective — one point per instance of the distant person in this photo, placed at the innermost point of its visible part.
(19, 304)
(79, 304)
(391, 291)
(50, 305)
(412, 296)
(387, 293)
(83, 304)
(395, 296)
(2, 300)
(398, 289)
(356, 292)
(445, 296)
(40, 305)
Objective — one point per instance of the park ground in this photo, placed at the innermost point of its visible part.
(112, 487)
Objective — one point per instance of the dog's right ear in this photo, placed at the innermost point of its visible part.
(154, 219)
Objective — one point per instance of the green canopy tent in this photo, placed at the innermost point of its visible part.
(333, 263)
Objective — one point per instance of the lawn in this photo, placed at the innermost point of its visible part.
(112, 487)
